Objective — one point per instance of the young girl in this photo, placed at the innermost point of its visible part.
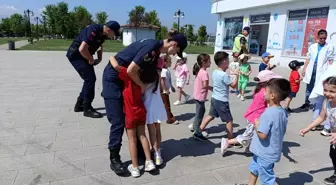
(201, 87)
(244, 73)
(182, 77)
(256, 108)
(234, 68)
(135, 114)
(155, 113)
(328, 111)
(166, 86)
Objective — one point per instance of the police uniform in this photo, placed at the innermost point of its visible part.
(144, 53)
(94, 36)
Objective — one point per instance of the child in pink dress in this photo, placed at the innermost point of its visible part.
(182, 77)
(254, 111)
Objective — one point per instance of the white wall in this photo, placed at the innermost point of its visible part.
(137, 34)
(232, 5)
(278, 23)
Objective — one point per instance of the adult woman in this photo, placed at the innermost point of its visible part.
(136, 56)
(318, 57)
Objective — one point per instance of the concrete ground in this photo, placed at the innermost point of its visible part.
(42, 141)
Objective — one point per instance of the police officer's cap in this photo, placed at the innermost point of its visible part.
(182, 43)
(115, 26)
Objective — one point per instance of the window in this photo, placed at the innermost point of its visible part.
(302, 28)
(233, 27)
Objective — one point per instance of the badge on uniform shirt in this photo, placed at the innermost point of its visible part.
(148, 58)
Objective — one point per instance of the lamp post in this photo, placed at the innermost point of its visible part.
(44, 19)
(28, 13)
(178, 15)
(37, 27)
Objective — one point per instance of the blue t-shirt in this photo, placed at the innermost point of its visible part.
(319, 47)
(273, 123)
(262, 66)
(221, 81)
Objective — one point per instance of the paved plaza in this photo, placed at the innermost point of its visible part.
(42, 141)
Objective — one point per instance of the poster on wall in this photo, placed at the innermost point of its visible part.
(317, 20)
(295, 32)
(233, 27)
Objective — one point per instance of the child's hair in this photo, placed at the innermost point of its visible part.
(244, 60)
(171, 33)
(259, 86)
(166, 57)
(201, 59)
(150, 75)
(279, 86)
(220, 56)
(330, 80)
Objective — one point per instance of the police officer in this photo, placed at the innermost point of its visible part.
(138, 55)
(80, 55)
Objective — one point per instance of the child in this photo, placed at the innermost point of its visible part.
(220, 96)
(182, 77)
(155, 113)
(244, 73)
(135, 117)
(266, 144)
(166, 85)
(256, 108)
(265, 65)
(201, 87)
(294, 80)
(234, 68)
(328, 112)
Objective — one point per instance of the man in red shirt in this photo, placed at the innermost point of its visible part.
(294, 79)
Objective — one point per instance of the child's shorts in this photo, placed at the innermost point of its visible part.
(292, 95)
(180, 82)
(262, 169)
(245, 138)
(220, 109)
(242, 85)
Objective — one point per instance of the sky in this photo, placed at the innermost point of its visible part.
(197, 12)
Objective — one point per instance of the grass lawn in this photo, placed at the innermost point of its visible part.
(5, 40)
(109, 46)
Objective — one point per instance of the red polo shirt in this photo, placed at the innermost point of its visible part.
(295, 86)
(135, 112)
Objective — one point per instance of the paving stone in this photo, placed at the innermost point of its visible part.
(42, 141)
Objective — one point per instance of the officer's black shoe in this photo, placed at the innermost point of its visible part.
(79, 105)
(90, 112)
(116, 165)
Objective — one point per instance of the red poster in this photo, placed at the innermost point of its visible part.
(317, 20)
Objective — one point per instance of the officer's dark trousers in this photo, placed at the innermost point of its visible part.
(87, 73)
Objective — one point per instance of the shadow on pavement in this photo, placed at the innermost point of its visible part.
(185, 116)
(286, 151)
(321, 170)
(296, 178)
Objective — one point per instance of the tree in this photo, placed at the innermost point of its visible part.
(174, 27)
(61, 18)
(190, 33)
(50, 12)
(17, 24)
(182, 30)
(6, 25)
(163, 33)
(101, 17)
(83, 17)
(201, 33)
(137, 15)
(152, 18)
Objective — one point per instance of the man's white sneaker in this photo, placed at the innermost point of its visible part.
(177, 102)
(191, 127)
(135, 172)
(238, 96)
(224, 146)
(242, 98)
(149, 166)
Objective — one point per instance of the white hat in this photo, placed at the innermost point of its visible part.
(242, 56)
(184, 55)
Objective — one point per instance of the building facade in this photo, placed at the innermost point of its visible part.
(132, 32)
(285, 28)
